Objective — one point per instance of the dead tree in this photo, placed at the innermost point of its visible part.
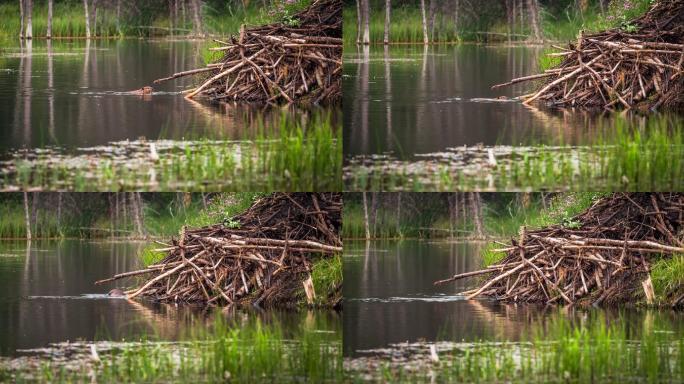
(87, 18)
(21, 19)
(388, 10)
(27, 217)
(365, 215)
(533, 8)
(29, 19)
(48, 33)
(426, 39)
(197, 17)
(366, 21)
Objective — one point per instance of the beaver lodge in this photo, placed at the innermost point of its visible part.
(295, 61)
(642, 69)
(263, 256)
(604, 258)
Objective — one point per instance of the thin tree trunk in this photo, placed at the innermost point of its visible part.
(425, 31)
(34, 211)
(29, 19)
(476, 208)
(59, 211)
(399, 213)
(48, 34)
(365, 216)
(118, 17)
(197, 17)
(137, 212)
(87, 18)
(457, 16)
(388, 10)
(366, 22)
(533, 6)
(22, 15)
(26, 217)
(359, 22)
(431, 18)
(374, 212)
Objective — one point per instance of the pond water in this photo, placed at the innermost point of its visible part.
(390, 299)
(47, 295)
(76, 93)
(412, 100)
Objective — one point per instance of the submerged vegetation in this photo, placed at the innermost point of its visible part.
(223, 351)
(626, 157)
(596, 349)
(294, 156)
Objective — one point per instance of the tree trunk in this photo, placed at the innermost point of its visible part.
(26, 217)
(359, 22)
(118, 17)
(87, 18)
(476, 208)
(59, 211)
(21, 16)
(398, 213)
(29, 19)
(533, 8)
(431, 18)
(48, 34)
(365, 215)
(388, 10)
(457, 8)
(374, 212)
(453, 211)
(366, 22)
(425, 32)
(197, 17)
(137, 214)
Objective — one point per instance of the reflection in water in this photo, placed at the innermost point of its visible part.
(417, 100)
(77, 94)
(390, 298)
(47, 296)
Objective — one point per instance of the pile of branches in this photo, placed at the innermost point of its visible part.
(295, 61)
(641, 69)
(260, 257)
(603, 256)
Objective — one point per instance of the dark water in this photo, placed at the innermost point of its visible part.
(73, 94)
(47, 295)
(390, 298)
(407, 100)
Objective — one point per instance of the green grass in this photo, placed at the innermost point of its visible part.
(69, 20)
(558, 24)
(625, 154)
(253, 351)
(327, 279)
(594, 350)
(294, 156)
(667, 275)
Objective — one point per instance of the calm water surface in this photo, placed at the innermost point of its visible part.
(74, 94)
(47, 295)
(390, 298)
(409, 100)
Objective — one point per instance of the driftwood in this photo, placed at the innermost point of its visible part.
(261, 257)
(278, 63)
(605, 256)
(643, 69)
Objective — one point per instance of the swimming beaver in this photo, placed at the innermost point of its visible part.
(146, 90)
(116, 292)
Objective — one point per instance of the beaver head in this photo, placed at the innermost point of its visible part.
(116, 292)
(147, 90)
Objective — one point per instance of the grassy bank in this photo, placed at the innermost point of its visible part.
(294, 156)
(146, 20)
(625, 155)
(223, 351)
(503, 215)
(559, 23)
(91, 216)
(594, 350)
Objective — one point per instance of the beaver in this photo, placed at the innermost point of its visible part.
(146, 90)
(116, 292)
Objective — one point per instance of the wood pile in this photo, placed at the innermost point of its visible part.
(297, 61)
(642, 68)
(603, 256)
(261, 257)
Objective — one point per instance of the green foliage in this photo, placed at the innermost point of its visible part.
(254, 351)
(149, 256)
(222, 208)
(327, 278)
(597, 349)
(667, 275)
